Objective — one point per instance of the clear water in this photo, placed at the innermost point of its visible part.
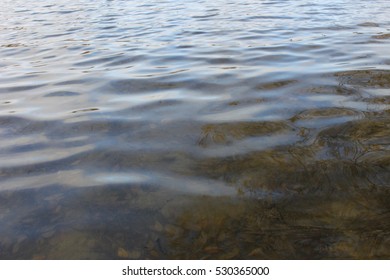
(194, 129)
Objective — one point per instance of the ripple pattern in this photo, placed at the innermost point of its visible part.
(199, 130)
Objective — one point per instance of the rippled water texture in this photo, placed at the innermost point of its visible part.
(195, 129)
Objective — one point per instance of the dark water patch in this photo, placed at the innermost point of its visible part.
(15, 45)
(366, 131)
(95, 61)
(369, 24)
(128, 86)
(205, 16)
(221, 60)
(365, 78)
(341, 89)
(324, 113)
(383, 100)
(281, 58)
(85, 110)
(109, 27)
(345, 144)
(274, 85)
(339, 27)
(67, 12)
(80, 81)
(62, 94)
(247, 102)
(25, 148)
(18, 125)
(185, 46)
(223, 133)
(52, 227)
(381, 36)
(268, 17)
(157, 105)
(327, 228)
(74, 29)
(20, 88)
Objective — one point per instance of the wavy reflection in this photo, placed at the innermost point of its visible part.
(140, 130)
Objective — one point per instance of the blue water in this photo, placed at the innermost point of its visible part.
(203, 129)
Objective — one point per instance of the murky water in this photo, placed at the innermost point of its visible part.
(194, 129)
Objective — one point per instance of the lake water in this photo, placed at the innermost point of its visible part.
(198, 129)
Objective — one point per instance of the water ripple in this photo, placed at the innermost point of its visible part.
(194, 122)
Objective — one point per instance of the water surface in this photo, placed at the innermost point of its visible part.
(194, 130)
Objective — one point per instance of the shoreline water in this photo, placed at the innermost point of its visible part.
(140, 130)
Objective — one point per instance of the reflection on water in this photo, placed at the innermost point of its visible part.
(225, 130)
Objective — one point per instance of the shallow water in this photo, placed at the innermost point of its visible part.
(203, 130)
